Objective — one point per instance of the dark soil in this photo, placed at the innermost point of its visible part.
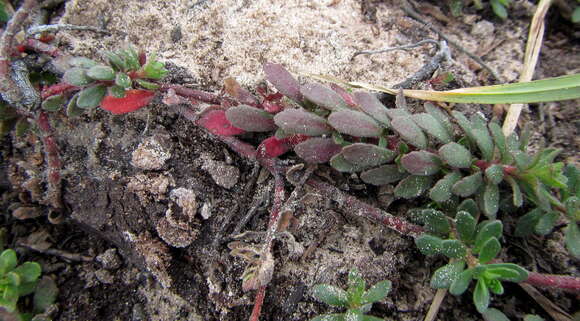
(113, 204)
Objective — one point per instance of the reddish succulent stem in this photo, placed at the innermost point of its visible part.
(53, 160)
(564, 282)
(42, 47)
(57, 89)
(259, 301)
(192, 93)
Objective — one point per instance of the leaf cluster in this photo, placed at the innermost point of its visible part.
(499, 7)
(18, 280)
(356, 299)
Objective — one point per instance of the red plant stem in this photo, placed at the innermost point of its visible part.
(57, 89)
(258, 302)
(192, 93)
(8, 87)
(39, 46)
(53, 160)
(563, 282)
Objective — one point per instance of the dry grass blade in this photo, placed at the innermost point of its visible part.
(533, 46)
(435, 305)
(550, 307)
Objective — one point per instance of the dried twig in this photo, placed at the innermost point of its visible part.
(404, 47)
(56, 27)
(413, 14)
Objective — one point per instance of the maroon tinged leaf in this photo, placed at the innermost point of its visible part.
(383, 175)
(317, 150)
(345, 95)
(250, 119)
(215, 121)
(299, 121)
(421, 163)
(242, 95)
(323, 96)
(371, 105)
(283, 81)
(367, 155)
(354, 123)
(409, 131)
(274, 146)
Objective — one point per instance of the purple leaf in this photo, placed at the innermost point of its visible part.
(317, 150)
(367, 155)
(323, 96)
(242, 95)
(354, 123)
(371, 105)
(383, 175)
(421, 163)
(345, 95)
(250, 119)
(300, 121)
(283, 81)
(409, 131)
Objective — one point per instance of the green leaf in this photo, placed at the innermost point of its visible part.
(495, 286)
(409, 131)
(377, 292)
(122, 80)
(436, 222)
(116, 91)
(444, 276)
(492, 314)
(494, 174)
(367, 155)
(489, 250)
(487, 230)
(441, 116)
(507, 272)
(82, 62)
(573, 239)
(45, 294)
(465, 225)
(546, 223)
(371, 105)
(481, 296)
(527, 223)
(498, 9)
(356, 287)
(572, 206)
(329, 317)
(481, 136)
(339, 163)
(300, 121)
(468, 185)
(441, 192)
(500, 142)
(13, 278)
(8, 261)
(461, 283)
(491, 200)
(116, 61)
(575, 17)
(9, 298)
(533, 317)
(469, 206)
(517, 197)
(29, 271)
(383, 175)
(72, 110)
(26, 288)
(455, 155)
(131, 57)
(147, 84)
(91, 97)
(22, 126)
(4, 15)
(53, 103)
(371, 318)
(433, 127)
(353, 315)
(453, 249)
(522, 160)
(100, 72)
(330, 295)
(413, 186)
(429, 244)
(421, 163)
(76, 77)
(154, 69)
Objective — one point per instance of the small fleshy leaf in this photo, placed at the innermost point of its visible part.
(283, 81)
(147, 84)
(77, 77)
(330, 294)
(455, 155)
(45, 294)
(507, 272)
(233, 88)
(429, 244)
(216, 122)
(494, 174)
(441, 116)
(370, 104)
(122, 80)
(446, 275)
(53, 103)
(383, 175)
(409, 131)
(354, 123)
(300, 121)
(377, 292)
(345, 95)
(435, 221)
(398, 112)
(500, 142)
(526, 224)
(250, 119)
(468, 185)
(546, 223)
(100, 72)
(482, 137)
(453, 249)
(367, 155)
(413, 186)
(573, 239)
(433, 127)
(134, 99)
(323, 96)
(487, 230)
(317, 150)
(517, 196)
(274, 146)
(489, 250)
(491, 200)
(461, 283)
(82, 62)
(339, 163)
(494, 314)
(469, 206)
(72, 110)
(465, 224)
(481, 296)
(91, 97)
(441, 192)
(116, 91)
(421, 163)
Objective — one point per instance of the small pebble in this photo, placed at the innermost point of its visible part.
(109, 259)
